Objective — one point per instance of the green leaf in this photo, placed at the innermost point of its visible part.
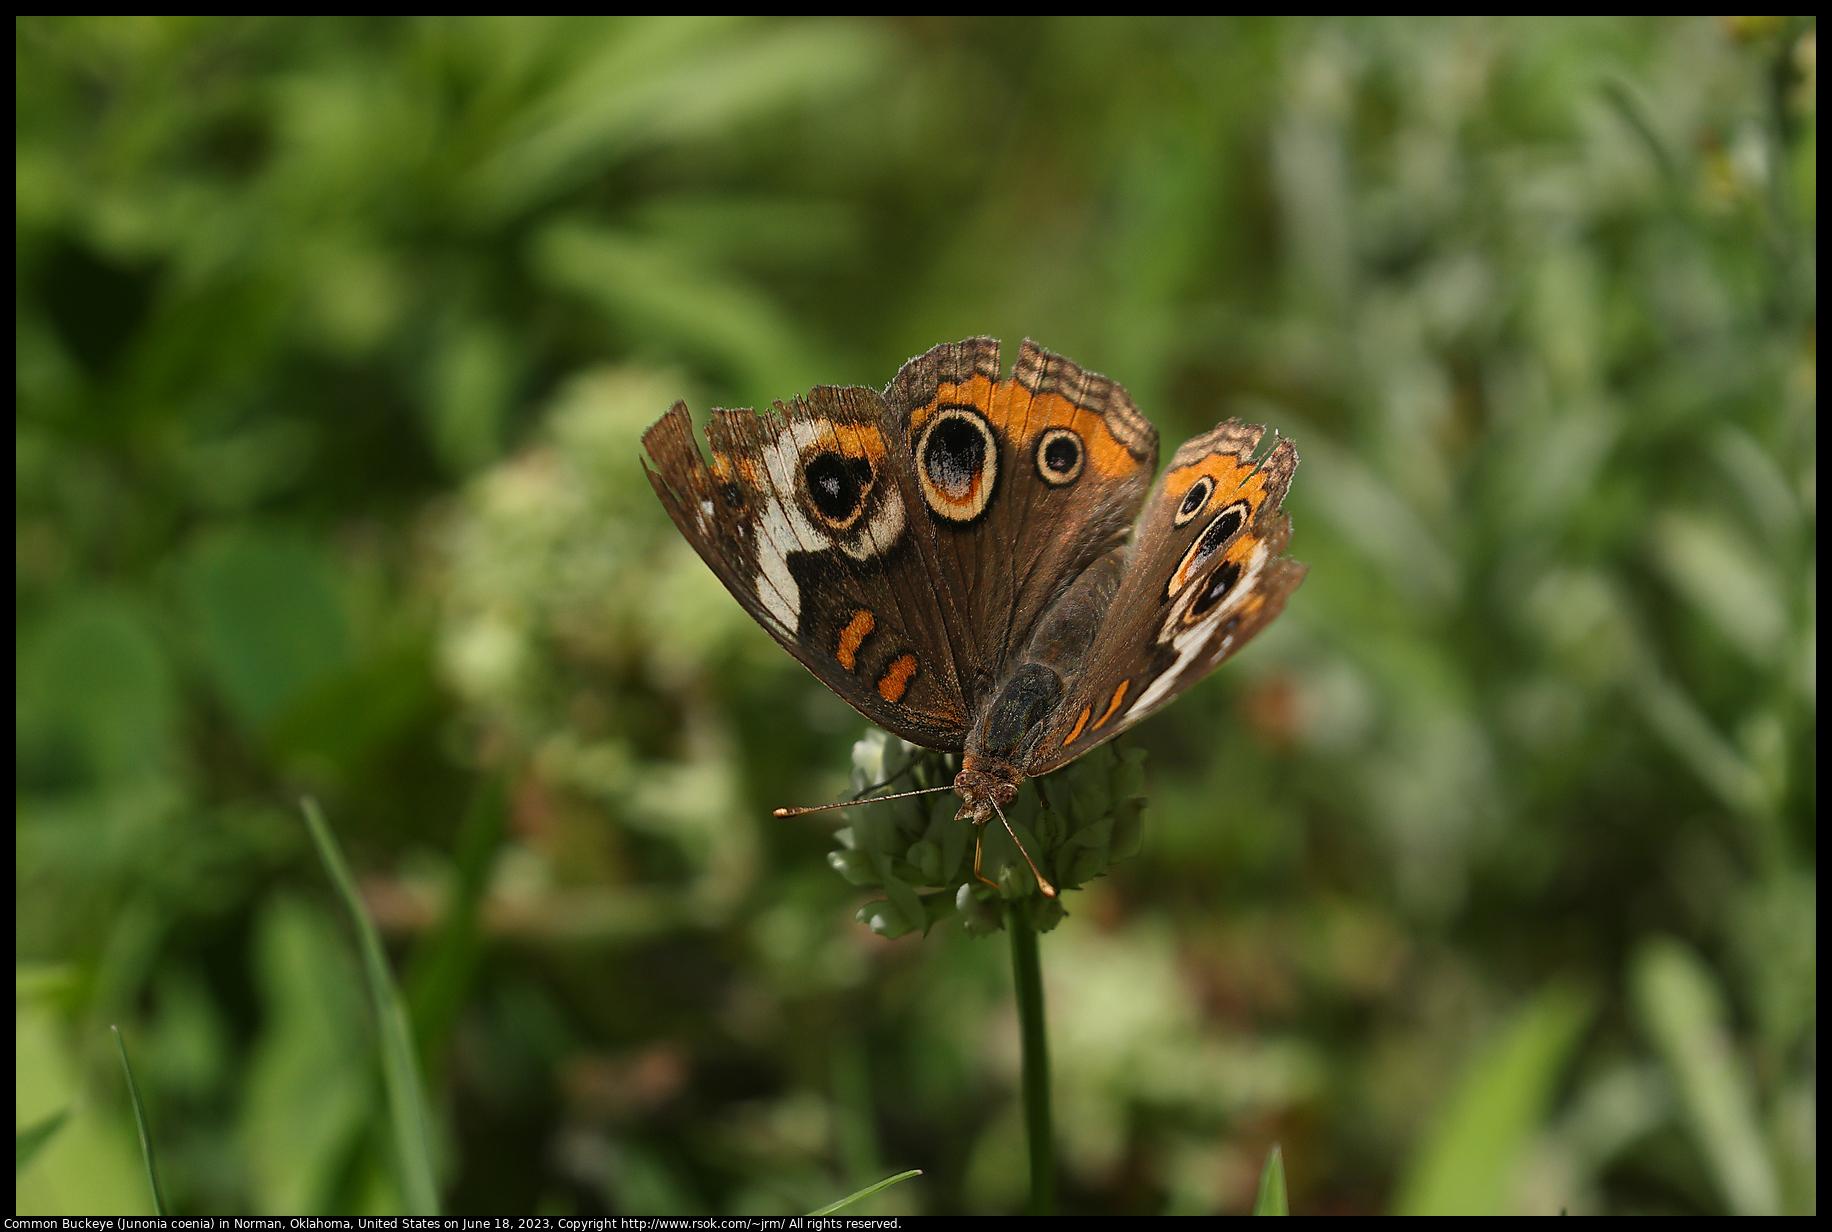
(1272, 1198)
(660, 81)
(309, 1094)
(445, 967)
(33, 1137)
(95, 688)
(269, 623)
(1468, 1161)
(1683, 1009)
(1728, 579)
(637, 281)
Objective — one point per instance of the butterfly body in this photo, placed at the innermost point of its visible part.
(986, 566)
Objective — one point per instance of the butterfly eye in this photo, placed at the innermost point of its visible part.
(837, 487)
(1194, 501)
(958, 460)
(1060, 457)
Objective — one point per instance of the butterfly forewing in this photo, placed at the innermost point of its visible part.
(1025, 482)
(804, 515)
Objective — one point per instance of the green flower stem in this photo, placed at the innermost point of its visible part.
(1027, 976)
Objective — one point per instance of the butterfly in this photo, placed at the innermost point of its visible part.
(984, 565)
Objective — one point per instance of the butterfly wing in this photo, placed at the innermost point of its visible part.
(1025, 482)
(904, 546)
(1205, 572)
(805, 513)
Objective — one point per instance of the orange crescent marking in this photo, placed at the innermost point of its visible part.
(853, 636)
(1079, 724)
(976, 391)
(852, 440)
(1114, 704)
(1233, 478)
(897, 678)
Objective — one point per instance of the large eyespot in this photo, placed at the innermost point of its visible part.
(1218, 588)
(1217, 536)
(1194, 501)
(837, 487)
(957, 461)
(1060, 457)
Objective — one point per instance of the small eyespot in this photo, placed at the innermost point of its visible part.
(957, 460)
(1194, 501)
(1060, 457)
(837, 487)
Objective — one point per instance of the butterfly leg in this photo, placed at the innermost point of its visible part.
(979, 844)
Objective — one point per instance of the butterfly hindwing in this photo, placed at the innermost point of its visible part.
(1205, 572)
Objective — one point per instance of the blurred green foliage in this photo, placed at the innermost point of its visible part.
(1486, 879)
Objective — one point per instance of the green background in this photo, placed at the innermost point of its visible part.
(1484, 880)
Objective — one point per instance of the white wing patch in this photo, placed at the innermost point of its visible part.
(1191, 642)
(783, 528)
(775, 585)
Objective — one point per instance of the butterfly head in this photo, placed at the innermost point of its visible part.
(985, 784)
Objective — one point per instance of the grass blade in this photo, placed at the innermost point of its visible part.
(867, 1192)
(1272, 1198)
(400, 1068)
(32, 1138)
(442, 970)
(1684, 1010)
(146, 1141)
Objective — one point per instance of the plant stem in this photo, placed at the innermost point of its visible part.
(1027, 978)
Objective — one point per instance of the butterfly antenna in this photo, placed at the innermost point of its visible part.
(1049, 891)
(797, 811)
